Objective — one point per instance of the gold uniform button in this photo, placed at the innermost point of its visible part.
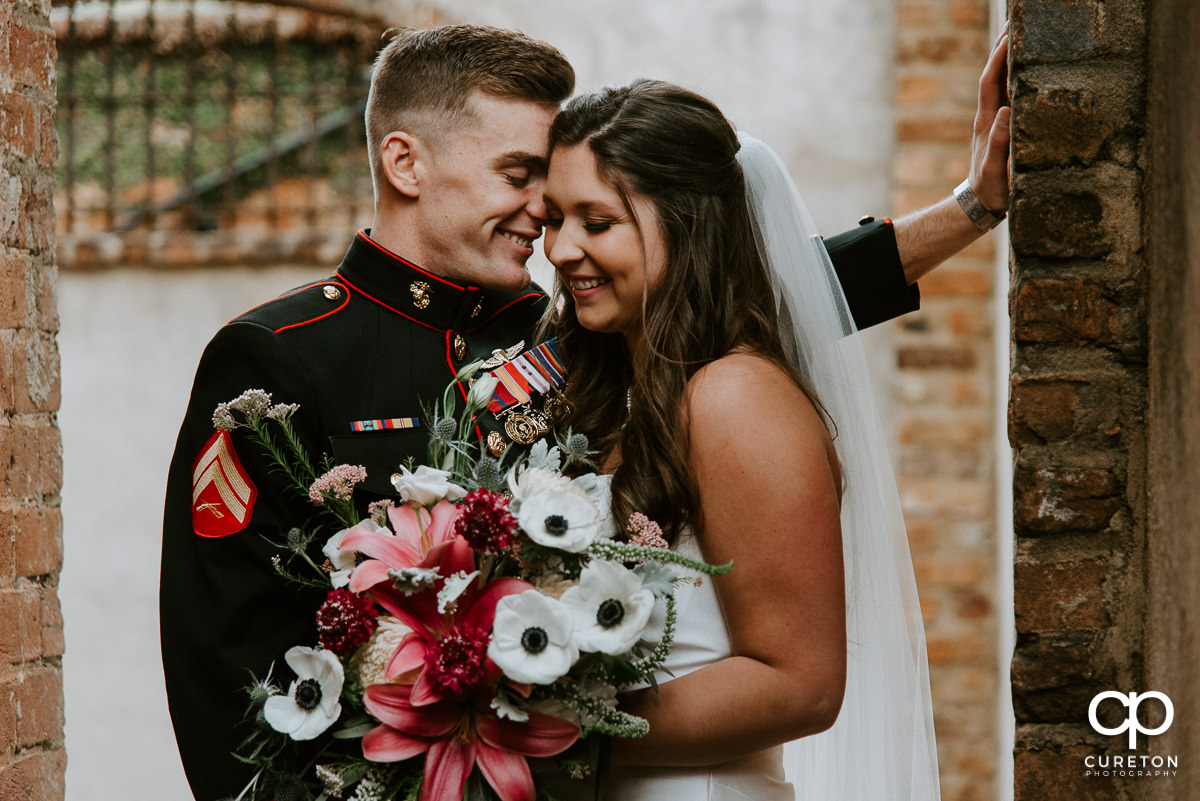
(332, 292)
(396, 477)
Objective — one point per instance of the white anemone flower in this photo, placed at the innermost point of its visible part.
(562, 519)
(610, 608)
(532, 638)
(426, 486)
(311, 705)
(530, 481)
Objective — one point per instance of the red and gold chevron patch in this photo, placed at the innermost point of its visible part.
(222, 492)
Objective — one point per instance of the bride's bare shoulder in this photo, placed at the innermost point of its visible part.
(745, 382)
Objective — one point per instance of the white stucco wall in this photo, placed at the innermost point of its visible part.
(808, 76)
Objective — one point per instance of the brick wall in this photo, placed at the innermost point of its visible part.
(1079, 396)
(32, 759)
(945, 394)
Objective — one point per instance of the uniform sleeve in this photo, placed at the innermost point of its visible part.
(224, 612)
(868, 265)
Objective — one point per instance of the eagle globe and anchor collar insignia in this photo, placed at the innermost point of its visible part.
(537, 371)
(222, 493)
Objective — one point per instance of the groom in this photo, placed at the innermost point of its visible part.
(457, 122)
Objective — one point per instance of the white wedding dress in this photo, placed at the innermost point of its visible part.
(701, 638)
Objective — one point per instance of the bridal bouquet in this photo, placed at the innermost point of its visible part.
(490, 616)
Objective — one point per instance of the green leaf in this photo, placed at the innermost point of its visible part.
(353, 732)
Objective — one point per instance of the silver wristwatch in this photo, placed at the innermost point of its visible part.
(984, 219)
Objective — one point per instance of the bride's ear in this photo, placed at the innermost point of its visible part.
(400, 159)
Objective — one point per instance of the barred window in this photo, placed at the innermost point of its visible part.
(197, 130)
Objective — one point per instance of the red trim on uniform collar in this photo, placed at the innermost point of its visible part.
(362, 232)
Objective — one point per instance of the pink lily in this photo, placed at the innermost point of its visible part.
(457, 735)
(420, 536)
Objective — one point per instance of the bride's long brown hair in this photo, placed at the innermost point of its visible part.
(675, 148)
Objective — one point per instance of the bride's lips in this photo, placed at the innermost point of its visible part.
(584, 286)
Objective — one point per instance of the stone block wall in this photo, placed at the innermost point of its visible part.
(1079, 404)
(32, 759)
(945, 401)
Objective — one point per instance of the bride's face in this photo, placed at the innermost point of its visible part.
(594, 243)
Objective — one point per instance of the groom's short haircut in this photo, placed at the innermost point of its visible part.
(423, 79)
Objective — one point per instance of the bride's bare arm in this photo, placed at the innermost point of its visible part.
(769, 491)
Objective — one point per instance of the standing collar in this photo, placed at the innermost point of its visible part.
(378, 274)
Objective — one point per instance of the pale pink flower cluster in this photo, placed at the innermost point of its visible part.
(337, 483)
(378, 511)
(645, 532)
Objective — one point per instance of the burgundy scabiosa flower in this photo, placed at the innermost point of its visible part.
(455, 662)
(345, 621)
(485, 522)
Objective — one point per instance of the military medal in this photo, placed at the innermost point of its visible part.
(536, 371)
(525, 426)
(557, 406)
(501, 355)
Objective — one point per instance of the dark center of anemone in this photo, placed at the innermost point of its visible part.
(534, 640)
(308, 694)
(556, 525)
(610, 613)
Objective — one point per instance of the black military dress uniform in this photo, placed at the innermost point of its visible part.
(359, 352)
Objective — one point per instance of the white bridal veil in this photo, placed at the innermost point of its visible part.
(882, 747)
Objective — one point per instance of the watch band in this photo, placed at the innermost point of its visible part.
(972, 206)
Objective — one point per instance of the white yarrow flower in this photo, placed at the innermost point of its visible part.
(610, 608)
(532, 638)
(426, 486)
(563, 519)
(311, 705)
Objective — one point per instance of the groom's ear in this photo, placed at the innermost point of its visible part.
(400, 155)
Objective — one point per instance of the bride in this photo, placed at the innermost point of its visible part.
(713, 365)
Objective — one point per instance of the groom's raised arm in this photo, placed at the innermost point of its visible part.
(880, 262)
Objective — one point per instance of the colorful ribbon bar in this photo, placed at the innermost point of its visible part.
(384, 425)
(537, 370)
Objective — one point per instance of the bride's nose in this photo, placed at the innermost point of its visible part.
(561, 247)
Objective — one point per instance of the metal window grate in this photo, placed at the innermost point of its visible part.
(209, 119)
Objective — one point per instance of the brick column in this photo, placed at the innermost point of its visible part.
(32, 759)
(1077, 413)
(945, 385)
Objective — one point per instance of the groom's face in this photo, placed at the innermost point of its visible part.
(481, 195)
